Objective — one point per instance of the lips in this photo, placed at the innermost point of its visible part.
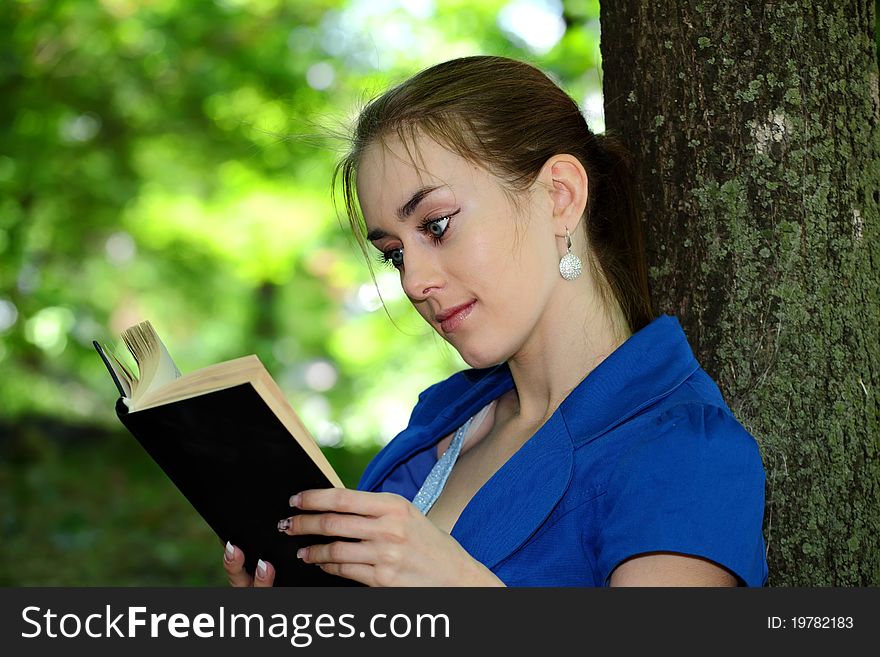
(451, 318)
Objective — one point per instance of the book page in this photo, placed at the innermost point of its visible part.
(155, 365)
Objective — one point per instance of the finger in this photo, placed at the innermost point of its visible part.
(265, 574)
(329, 524)
(339, 552)
(363, 573)
(344, 500)
(233, 563)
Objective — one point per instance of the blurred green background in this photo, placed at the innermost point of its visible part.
(171, 160)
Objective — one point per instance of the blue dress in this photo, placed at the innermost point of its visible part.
(642, 456)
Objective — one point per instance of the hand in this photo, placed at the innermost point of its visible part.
(233, 563)
(395, 544)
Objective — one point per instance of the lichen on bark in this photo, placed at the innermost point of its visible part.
(762, 212)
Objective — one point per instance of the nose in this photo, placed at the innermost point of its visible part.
(421, 275)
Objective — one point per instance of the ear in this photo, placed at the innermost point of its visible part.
(566, 179)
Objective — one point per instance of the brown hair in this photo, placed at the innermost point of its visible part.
(510, 118)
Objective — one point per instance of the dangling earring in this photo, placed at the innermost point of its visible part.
(570, 265)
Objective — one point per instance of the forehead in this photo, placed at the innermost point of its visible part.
(390, 170)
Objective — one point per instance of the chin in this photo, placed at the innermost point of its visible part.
(481, 360)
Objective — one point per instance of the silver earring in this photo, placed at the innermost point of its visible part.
(570, 265)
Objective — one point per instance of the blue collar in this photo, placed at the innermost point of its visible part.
(518, 498)
(647, 367)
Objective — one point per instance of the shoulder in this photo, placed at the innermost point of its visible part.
(692, 438)
(696, 417)
(690, 418)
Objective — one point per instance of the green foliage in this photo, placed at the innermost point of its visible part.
(171, 161)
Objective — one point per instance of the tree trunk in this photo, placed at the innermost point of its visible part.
(754, 129)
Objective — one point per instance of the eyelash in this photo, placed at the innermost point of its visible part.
(424, 227)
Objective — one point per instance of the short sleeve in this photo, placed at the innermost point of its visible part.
(695, 486)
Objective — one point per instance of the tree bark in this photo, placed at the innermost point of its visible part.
(754, 130)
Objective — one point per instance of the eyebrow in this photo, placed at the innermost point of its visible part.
(405, 210)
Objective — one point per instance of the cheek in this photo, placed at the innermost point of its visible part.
(494, 257)
(423, 310)
(523, 268)
(529, 289)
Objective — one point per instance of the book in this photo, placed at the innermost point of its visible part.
(228, 439)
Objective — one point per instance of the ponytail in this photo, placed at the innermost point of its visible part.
(614, 225)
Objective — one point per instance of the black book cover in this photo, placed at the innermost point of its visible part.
(238, 465)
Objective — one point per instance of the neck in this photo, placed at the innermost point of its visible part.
(576, 334)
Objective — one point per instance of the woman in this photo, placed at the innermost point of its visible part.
(586, 447)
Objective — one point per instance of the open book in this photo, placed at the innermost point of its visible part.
(228, 439)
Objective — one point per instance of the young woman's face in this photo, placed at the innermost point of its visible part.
(480, 272)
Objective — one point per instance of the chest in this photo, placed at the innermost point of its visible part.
(481, 459)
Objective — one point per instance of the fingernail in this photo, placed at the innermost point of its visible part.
(261, 569)
(230, 551)
(284, 524)
(294, 499)
(301, 553)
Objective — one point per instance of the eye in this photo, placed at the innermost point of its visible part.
(438, 226)
(393, 257)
